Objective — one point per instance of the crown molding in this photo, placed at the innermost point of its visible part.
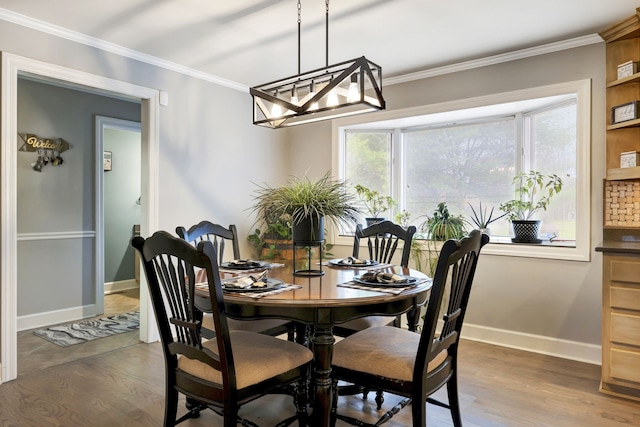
(48, 28)
(45, 27)
(495, 59)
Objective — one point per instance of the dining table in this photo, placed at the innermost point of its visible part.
(319, 302)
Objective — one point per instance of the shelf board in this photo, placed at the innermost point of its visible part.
(627, 124)
(617, 174)
(631, 79)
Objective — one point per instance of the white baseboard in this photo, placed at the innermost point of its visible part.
(38, 320)
(573, 350)
(122, 285)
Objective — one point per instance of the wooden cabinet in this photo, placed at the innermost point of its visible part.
(622, 45)
(621, 325)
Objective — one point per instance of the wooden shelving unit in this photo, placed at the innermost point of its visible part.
(621, 259)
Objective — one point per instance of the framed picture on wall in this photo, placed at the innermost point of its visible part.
(106, 160)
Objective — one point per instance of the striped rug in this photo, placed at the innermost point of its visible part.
(89, 330)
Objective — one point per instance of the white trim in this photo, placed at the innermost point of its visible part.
(12, 67)
(582, 251)
(119, 286)
(572, 350)
(48, 28)
(56, 317)
(60, 235)
(57, 31)
(496, 59)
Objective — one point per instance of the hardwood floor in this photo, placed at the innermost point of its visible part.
(124, 386)
(35, 353)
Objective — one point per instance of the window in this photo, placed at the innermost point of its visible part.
(470, 155)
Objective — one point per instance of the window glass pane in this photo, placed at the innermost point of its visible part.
(368, 160)
(553, 139)
(460, 164)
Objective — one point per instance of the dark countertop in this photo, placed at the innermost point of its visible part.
(620, 241)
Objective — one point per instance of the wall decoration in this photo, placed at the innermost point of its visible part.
(48, 150)
(106, 160)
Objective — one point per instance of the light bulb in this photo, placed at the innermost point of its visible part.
(312, 92)
(354, 91)
(332, 98)
(294, 96)
(276, 110)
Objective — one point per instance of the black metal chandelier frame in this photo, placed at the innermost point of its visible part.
(347, 88)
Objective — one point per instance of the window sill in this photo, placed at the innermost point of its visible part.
(502, 246)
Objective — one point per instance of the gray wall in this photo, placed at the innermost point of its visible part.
(121, 210)
(554, 299)
(56, 206)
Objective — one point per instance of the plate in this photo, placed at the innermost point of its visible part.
(410, 282)
(247, 265)
(338, 262)
(271, 284)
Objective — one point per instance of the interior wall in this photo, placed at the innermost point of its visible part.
(56, 227)
(210, 154)
(121, 203)
(515, 301)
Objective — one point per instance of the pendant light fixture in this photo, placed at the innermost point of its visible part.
(344, 89)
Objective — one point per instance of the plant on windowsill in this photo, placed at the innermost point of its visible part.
(438, 227)
(375, 203)
(533, 193)
(482, 219)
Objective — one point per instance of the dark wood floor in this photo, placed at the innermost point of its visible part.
(124, 386)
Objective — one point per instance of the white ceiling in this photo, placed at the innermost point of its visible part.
(255, 41)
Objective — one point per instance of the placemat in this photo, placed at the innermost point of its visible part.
(394, 290)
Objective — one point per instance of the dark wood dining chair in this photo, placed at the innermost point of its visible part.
(416, 365)
(382, 240)
(227, 371)
(220, 237)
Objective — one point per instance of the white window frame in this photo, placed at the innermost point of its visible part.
(582, 91)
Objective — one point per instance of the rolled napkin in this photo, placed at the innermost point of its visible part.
(372, 276)
(354, 261)
(248, 282)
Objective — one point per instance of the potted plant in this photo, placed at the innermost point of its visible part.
(375, 203)
(441, 225)
(482, 219)
(533, 192)
(308, 203)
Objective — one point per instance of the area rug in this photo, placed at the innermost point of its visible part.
(89, 330)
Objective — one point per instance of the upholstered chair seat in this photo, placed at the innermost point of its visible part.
(257, 357)
(393, 360)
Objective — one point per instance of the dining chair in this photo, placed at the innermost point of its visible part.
(410, 364)
(382, 240)
(220, 237)
(227, 371)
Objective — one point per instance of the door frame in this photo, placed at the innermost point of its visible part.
(102, 123)
(13, 66)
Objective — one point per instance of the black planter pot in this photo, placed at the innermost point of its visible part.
(526, 231)
(310, 230)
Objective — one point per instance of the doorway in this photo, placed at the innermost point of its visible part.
(119, 202)
(14, 66)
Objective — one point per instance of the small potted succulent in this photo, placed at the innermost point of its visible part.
(533, 193)
(375, 203)
(481, 218)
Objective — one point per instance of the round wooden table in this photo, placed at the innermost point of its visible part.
(322, 304)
